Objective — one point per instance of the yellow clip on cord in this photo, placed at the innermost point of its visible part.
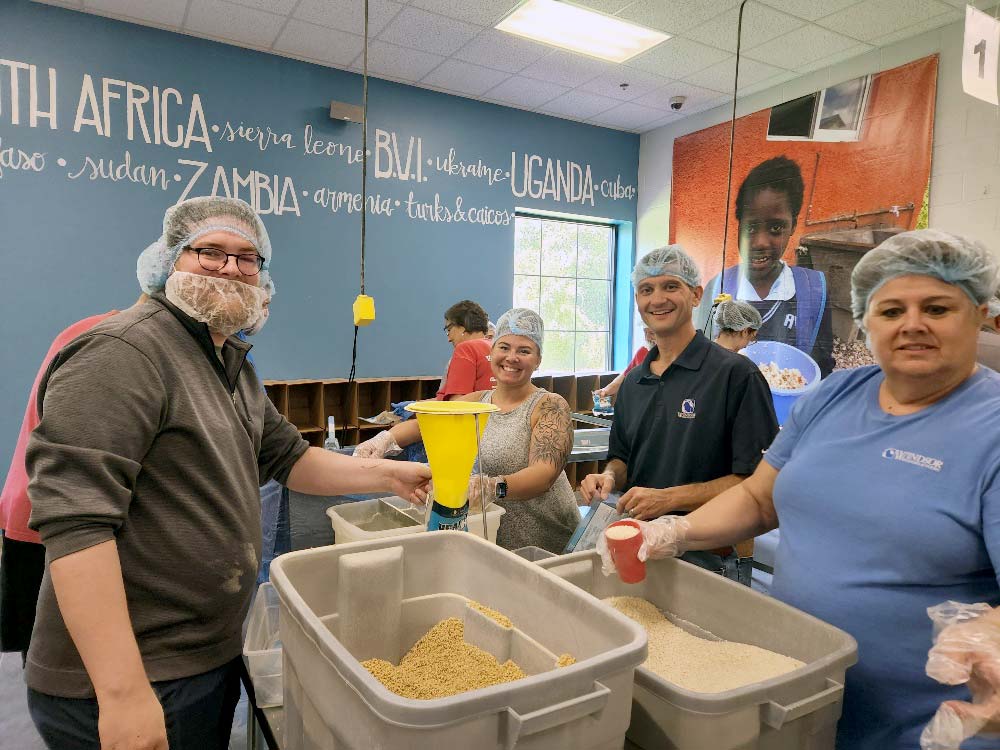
(364, 310)
(720, 298)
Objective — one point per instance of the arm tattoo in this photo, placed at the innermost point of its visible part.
(552, 435)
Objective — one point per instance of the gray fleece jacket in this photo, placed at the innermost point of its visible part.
(148, 439)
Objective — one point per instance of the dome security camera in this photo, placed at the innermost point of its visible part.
(676, 102)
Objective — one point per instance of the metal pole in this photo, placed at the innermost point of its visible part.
(482, 488)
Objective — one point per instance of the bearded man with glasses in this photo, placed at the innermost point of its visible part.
(154, 436)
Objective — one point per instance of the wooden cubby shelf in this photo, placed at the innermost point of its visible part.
(309, 403)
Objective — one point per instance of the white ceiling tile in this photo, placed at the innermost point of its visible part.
(156, 12)
(222, 20)
(629, 115)
(667, 120)
(428, 32)
(398, 63)
(566, 68)
(281, 7)
(696, 98)
(480, 12)
(503, 51)
(348, 15)
(580, 105)
(719, 77)
(760, 24)
(677, 57)
(609, 7)
(319, 43)
(877, 18)
(674, 16)
(918, 28)
(800, 47)
(639, 83)
(525, 92)
(810, 10)
(464, 78)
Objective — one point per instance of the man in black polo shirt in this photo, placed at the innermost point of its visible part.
(692, 420)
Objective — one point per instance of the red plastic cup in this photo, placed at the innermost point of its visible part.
(624, 549)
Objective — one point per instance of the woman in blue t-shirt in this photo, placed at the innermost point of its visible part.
(886, 483)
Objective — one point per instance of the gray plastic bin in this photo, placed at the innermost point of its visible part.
(351, 602)
(796, 711)
(534, 554)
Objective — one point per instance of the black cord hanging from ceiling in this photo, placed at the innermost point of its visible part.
(364, 188)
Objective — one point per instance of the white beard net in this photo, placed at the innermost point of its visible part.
(224, 305)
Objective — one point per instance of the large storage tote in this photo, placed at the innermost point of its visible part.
(347, 603)
(393, 516)
(795, 711)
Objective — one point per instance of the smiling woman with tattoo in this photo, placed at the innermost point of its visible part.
(525, 445)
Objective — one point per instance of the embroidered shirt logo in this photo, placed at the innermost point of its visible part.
(924, 462)
(687, 409)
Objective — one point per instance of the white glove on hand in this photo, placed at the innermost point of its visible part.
(966, 649)
(380, 446)
(662, 537)
(477, 485)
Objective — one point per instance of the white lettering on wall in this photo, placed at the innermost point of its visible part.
(35, 112)
(560, 181)
(154, 120)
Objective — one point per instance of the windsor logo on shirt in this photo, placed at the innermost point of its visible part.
(909, 457)
(687, 409)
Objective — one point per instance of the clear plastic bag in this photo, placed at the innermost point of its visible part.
(966, 650)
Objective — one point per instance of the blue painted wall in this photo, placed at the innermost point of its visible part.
(69, 243)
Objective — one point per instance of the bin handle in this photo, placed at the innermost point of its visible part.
(776, 715)
(518, 725)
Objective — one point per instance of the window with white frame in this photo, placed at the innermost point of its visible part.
(833, 114)
(563, 270)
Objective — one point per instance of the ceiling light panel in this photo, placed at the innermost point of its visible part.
(580, 30)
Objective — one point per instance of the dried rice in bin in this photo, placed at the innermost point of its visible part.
(695, 663)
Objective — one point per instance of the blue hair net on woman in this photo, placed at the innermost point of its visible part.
(521, 321)
(734, 315)
(185, 222)
(961, 261)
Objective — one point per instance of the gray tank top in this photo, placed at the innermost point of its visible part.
(546, 521)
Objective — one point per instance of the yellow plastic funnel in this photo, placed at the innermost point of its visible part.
(448, 429)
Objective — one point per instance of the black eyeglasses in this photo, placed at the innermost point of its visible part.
(214, 259)
(449, 327)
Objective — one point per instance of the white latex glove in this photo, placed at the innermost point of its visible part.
(966, 650)
(479, 484)
(380, 446)
(663, 537)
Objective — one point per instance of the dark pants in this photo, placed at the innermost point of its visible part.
(734, 568)
(198, 712)
(22, 565)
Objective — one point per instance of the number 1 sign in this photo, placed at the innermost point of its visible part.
(979, 55)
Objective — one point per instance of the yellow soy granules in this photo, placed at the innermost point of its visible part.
(502, 620)
(442, 664)
(695, 663)
(565, 660)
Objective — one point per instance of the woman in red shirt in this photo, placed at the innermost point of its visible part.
(466, 324)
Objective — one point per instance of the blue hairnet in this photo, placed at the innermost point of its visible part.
(734, 315)
(961, 261)
(185, 222)
(667, 261)
(521, 322)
